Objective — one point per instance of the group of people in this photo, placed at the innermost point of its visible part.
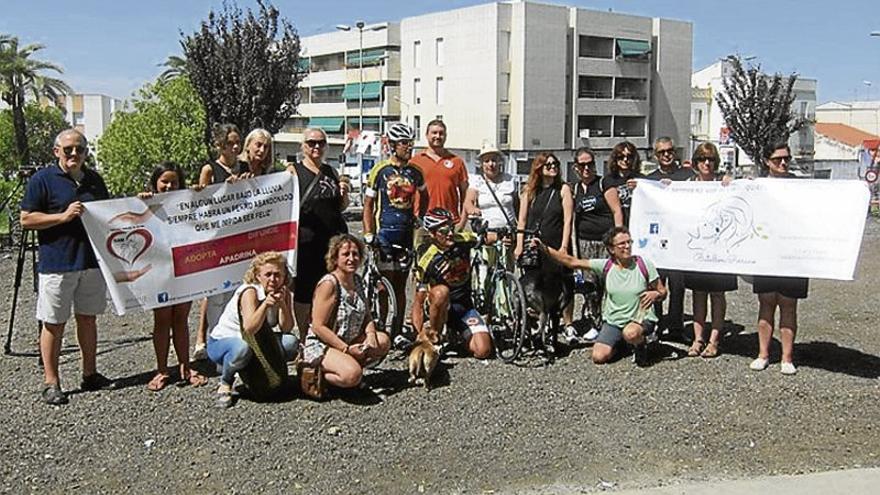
(415, 220)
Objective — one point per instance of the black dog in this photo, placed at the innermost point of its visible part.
(547, 292)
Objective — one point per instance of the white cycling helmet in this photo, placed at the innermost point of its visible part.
(400, 132)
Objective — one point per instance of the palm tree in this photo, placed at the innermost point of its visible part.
(174, 67)
(21, 75)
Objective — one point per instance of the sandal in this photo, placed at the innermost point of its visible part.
(196, 379)
(158, 382)
(696, 348)
(711, 351)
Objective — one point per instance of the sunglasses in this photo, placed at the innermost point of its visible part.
(668, 151)
(74, 150)
(778, 159)
(316, 143)
(626, 158)
(406, 143)
(710, 159)
(551, 165)
(585, 164)
(444, 230)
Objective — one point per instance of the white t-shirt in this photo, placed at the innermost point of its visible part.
(228, 325)
(505, 190)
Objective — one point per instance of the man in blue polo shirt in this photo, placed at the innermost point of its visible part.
(68, 270)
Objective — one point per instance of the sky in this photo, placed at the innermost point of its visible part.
(115, 46)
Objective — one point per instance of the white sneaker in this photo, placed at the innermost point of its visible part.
(591, 335)
(759, 364)
(571, 335)
(788, 368)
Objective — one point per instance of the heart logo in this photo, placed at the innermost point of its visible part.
(128, 246)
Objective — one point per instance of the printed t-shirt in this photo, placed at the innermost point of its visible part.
(395, 189)
(450, 267)
(592, 215)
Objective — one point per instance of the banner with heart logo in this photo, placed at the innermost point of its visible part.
(184, 245)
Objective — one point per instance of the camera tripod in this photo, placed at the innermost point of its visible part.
(27, 241)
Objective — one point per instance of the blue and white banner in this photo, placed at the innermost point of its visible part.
(784, 227)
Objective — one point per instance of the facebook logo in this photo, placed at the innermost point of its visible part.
(654, 228)
(162, 297)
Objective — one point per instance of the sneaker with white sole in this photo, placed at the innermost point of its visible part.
(591, 335)
(402, 343)
(788, 368)
(571, 335)
(759, 364)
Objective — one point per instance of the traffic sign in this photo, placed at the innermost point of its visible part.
(871, 176)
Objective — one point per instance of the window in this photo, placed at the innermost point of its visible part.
(802, 111)
(328, 94)
(592, 87)
(438, 88)
(629, 126)
(504, 46)
(333, 61)
(504, 130)
(438, 51)
(630, 89)
(504, 89)
(597, 125)
(595, 47)
(417, 91)
(417, 126)
(633, 49)
(417, 54)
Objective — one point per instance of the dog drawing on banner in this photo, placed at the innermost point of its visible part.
(725, 225)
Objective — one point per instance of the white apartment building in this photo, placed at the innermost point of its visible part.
(526, 76)
(863, 115)
(90, 113)
(707, 121)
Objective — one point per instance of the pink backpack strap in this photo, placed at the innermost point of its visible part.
(642, 268)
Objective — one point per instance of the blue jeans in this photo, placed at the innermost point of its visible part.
(233, 353)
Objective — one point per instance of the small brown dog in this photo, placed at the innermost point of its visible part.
(423, 358)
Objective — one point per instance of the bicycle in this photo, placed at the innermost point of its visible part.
(502, 300)
(380, 292)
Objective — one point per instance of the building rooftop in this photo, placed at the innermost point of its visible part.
(844, 134)
(850, 105)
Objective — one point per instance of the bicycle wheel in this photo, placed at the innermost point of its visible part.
(384, 304)
(507, 316)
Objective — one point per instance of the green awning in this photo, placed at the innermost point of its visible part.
(371, 56)
(372, 90)
(353, 121)
(633, 48)
(328, 124)
(304, 63)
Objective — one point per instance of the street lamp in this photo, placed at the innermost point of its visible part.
(360, 27)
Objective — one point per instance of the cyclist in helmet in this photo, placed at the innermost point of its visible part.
(443, 272)
(389, 216)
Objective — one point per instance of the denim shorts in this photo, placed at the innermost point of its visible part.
(612, 335)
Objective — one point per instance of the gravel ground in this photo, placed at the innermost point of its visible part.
(488, 427)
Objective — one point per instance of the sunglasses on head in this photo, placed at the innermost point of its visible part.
(778, 159)
(314, 143)
(69, 150)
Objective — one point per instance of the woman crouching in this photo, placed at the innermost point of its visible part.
(342, 337)
(262, 302)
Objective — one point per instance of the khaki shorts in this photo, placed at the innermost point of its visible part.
(84, 289)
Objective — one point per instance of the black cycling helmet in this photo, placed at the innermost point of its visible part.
(437, 218)
(400, 132)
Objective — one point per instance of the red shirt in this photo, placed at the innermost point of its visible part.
(443, 179)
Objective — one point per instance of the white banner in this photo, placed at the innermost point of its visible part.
(784, 227)
(185, 245)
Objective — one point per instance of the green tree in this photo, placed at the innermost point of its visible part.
(245, 67)
(167, 122)
(44, 123)
(757, 108)
(20, 75)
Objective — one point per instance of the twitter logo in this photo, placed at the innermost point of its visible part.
(643, 242)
